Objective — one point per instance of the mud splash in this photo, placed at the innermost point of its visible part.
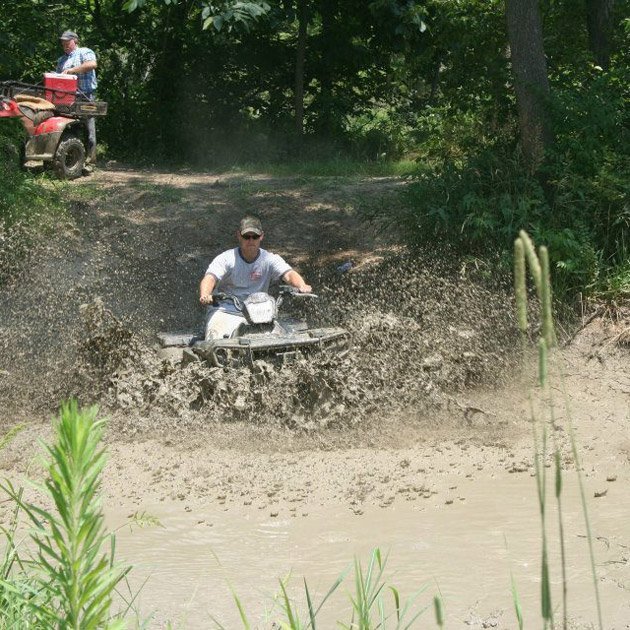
(83, 320)
(420, 332)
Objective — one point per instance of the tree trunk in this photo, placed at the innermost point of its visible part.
(328, 52)
(598, 24)
(530, 77)
(302, 13)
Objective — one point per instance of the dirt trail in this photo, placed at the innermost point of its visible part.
(430, 404)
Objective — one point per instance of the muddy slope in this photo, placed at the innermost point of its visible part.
(82, 321)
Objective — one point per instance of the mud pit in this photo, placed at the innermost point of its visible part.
(425, 420)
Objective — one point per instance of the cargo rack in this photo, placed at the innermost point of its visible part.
(81, 108)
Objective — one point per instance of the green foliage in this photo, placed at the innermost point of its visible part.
(29, 208)
(616, 285)
(28, 39)
(378, 135)
(206, 95)
(70, 581)
(478, 193)
(233, 16)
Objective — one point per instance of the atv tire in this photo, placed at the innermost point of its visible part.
(69, 158)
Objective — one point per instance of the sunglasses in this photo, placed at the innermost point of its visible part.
(250, 237)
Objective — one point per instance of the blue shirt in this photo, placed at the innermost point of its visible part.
(87, 80)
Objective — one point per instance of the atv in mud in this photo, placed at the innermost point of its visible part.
(55, 116)
(264, 334)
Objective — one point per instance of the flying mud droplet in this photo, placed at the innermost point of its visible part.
(419, 332)
(420, 329)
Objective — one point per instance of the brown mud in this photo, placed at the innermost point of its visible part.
(428, 409)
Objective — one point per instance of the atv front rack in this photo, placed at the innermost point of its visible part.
(244, 350)
(239, 350)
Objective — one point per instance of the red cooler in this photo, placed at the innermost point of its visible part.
(61, 89)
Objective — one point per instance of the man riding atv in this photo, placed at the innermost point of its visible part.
(245, 323)
(58, 116)
(241, 272)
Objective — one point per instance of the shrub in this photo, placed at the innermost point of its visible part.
(477, 192)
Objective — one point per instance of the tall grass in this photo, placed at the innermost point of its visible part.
(69, 577)
(526, 257)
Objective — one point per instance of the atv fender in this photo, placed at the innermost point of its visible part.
(43, 144)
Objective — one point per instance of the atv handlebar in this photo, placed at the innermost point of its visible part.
(285, 289)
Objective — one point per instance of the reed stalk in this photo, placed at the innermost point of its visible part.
(538, 264)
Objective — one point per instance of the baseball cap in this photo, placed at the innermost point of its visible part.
(66, 35)
(250, 224)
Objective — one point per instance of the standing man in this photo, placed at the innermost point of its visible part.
(82, 62)
(241, 271)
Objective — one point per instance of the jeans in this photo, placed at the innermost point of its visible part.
(90, 123)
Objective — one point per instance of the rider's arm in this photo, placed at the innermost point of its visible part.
(86, 66)
(295, 280)
(206, 288)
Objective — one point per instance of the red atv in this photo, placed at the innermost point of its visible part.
(55, 117)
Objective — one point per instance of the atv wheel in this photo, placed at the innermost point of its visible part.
(69, 158)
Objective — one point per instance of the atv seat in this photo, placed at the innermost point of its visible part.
(36, 109)
(34, 102)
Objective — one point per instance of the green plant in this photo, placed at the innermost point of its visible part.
(525, 256)
(367, 602)
(70, 581)
(368, 605)
(378, 134)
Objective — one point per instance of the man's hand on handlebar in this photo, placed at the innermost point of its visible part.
(305, 291)
(215, 298)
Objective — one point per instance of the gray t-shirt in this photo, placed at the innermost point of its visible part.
(240, 278)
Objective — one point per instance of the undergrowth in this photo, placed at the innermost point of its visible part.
(30, 207)
(476, 193)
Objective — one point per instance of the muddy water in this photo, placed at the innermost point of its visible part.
(464, 550)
